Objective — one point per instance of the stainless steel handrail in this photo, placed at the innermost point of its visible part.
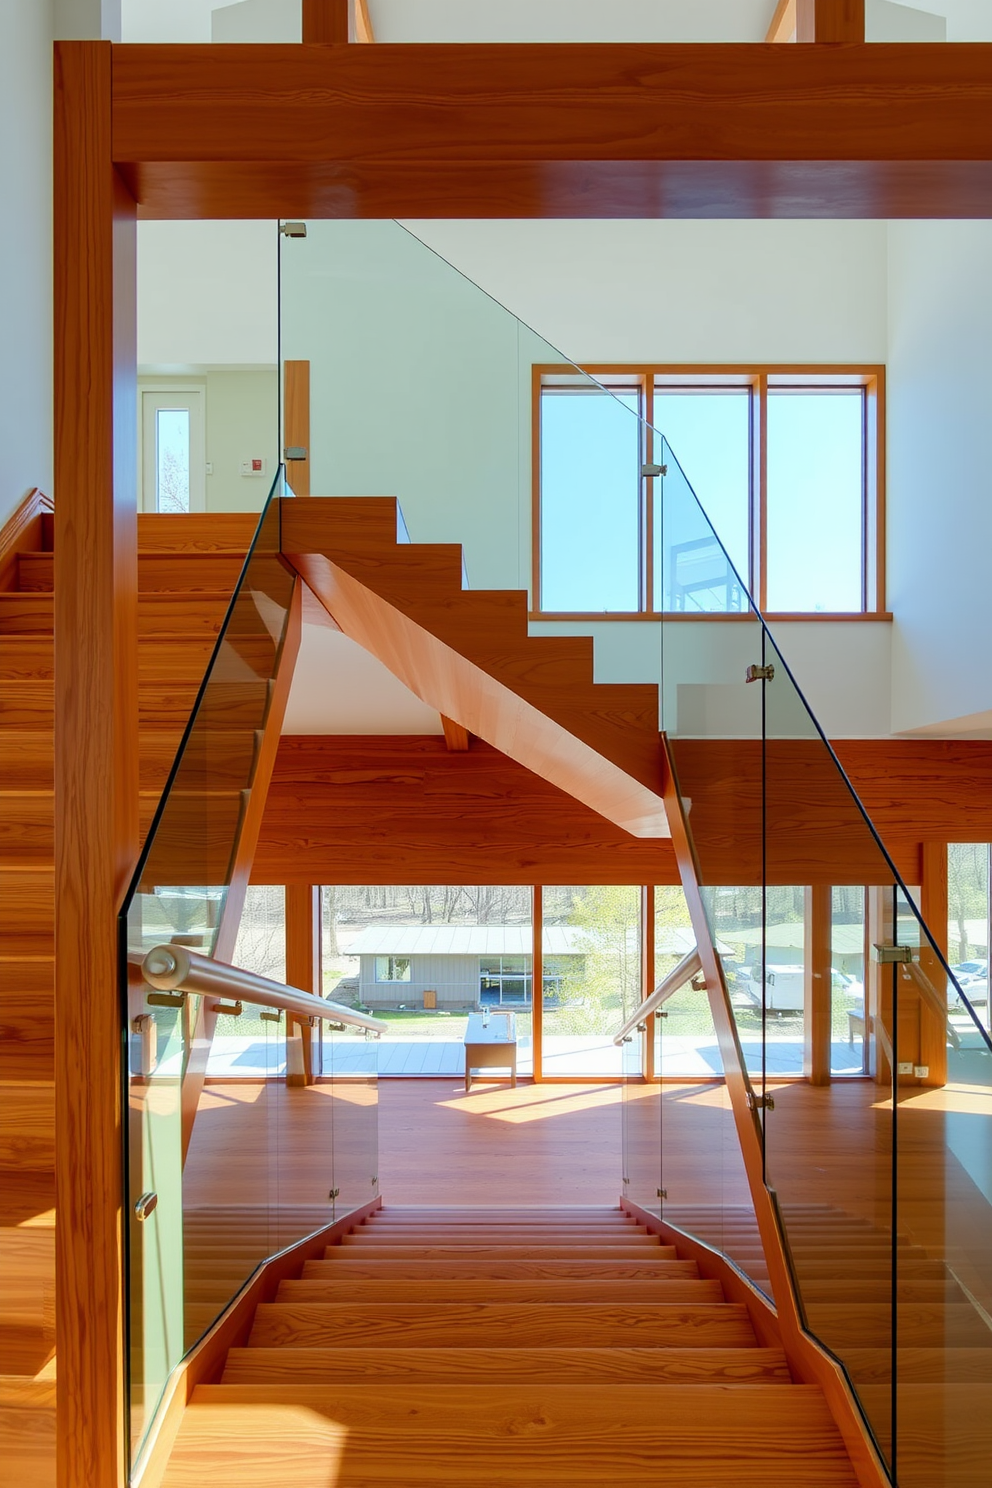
(687, 968)
(173, 968)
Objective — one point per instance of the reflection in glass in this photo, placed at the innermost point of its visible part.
(710, 428)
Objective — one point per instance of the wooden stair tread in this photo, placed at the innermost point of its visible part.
(510, 1433)
(507, 1252)
(540, 1290)
(258, 1365)
(456, 1270)
(438, 1324)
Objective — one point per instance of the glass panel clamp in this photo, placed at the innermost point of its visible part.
(759, 674)
(889, 955)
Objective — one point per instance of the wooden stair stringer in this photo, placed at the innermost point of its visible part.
(460, 689)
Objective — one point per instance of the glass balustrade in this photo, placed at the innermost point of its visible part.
(228, 1161)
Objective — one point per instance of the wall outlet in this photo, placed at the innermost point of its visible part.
(921, 1071)
(906, 1069)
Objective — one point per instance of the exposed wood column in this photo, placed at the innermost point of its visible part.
(96, 794)
(296, 423)
(303, 970)
(830, 20)
(879, 1002)
(648, 977)
(537, 983)
(817, 987)
(933, 1028)
(325, 20)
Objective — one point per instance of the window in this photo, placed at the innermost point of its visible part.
(677, 492)
(505, 979)
(392, 968)
(173, 449)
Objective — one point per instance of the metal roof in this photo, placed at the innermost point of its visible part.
(467, 940)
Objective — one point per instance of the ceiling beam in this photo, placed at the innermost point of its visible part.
(556, 130)
(830, 20)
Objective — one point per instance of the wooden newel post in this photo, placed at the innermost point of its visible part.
(96, 749)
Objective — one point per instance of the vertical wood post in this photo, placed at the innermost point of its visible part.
(296, 423)
(648, 976)
(303, 929)
(933, 1028)
(879, 1002)
(96, 796)
(326, 20)
(817, 988)
(830, 20)
(537, 983)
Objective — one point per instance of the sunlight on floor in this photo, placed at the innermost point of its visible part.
(534, 1104)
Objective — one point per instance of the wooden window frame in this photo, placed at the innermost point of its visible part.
(760, 379)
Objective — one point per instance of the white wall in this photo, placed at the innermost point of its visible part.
(259, 21)
(207, 293)
(25, 250)
(940, 475)
(683, 291)
(241, 415)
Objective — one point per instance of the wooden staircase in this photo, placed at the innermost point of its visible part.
(186, 572)
(467, 653)
(499, 1346)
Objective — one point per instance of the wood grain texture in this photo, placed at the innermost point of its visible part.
(528, 1434)
(370, 809)
(467, 654)
(325, 20)
(817, 984)
(296, 422)
(830, 20)
(303, 970)
(96, 754)
(555, 130)
(23, 532)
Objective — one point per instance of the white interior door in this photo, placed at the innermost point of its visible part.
(173, 449)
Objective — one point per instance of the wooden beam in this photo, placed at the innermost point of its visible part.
(455, 737)
(96, 749)
(933, 905)
(296, 423)
(363, 22)
(537, 983)
(879, 981)
(617, 130)
(303, 933)
(817, 989)
(783, 22)
(325, 20)
(830, 20)
(648, 977)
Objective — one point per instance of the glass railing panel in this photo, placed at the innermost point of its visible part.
(828, 1146)
(348, 1087)
(641, 1125)
(224, 1165)
(943, 1258)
